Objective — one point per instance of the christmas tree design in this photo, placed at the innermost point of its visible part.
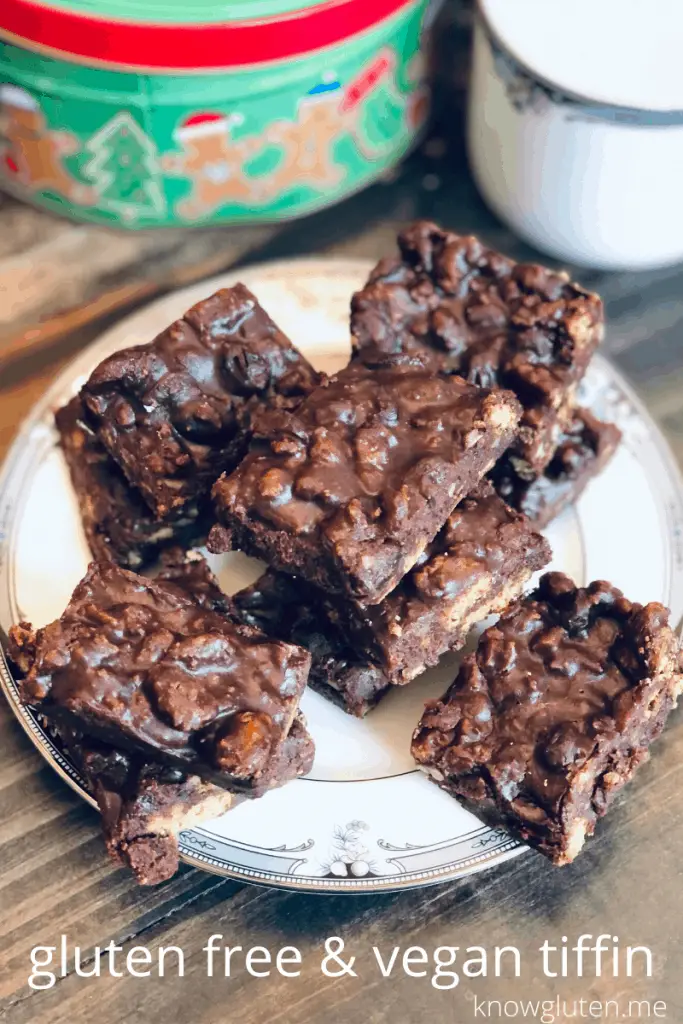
(124, 169)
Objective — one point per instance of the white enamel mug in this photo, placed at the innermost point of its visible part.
(575, 126)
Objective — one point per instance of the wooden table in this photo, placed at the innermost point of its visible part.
(55, 878)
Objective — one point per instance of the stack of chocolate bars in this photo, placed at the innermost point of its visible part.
(173, 709)
(155, 425)
(396, 504)
(498, 324)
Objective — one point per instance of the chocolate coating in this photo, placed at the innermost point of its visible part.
(554, 711)
(476, 565)
(585, 448)
(145, 665)
(118, 525)
(288, 608)
(487, 318)
(176, 413)
(145, 806)
(349, 490)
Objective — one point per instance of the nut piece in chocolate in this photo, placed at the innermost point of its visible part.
(554, 712)
(487, 318)
(147, 666)
(348, 491)
(176, 413)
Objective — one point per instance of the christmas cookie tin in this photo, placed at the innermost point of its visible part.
(161, 113)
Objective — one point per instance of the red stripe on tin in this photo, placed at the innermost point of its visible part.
(157, 46)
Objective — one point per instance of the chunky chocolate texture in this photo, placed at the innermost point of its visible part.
(348, 491)
(476, 566)
(145, 806)
(176, 413)
(487, 318)
(118, 525)
(149, 666)
(585, 448)
(555, 710)
(290, 609)
(190, 571)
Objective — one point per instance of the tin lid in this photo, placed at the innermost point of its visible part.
(177, 35)
(622, 53)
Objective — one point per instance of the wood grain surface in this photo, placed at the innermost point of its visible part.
(55, 878)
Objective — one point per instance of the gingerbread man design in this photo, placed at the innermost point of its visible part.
(33, 154)
(214, 162)
(306, 143)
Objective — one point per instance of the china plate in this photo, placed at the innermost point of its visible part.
(365, 819)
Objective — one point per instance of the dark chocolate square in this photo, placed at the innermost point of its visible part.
(176, 413)
(475, 567)
(348, 491)
(160, 667)
(489, 319)
(554, 712)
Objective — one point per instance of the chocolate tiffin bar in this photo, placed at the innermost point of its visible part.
(161, 669)
(554, 712)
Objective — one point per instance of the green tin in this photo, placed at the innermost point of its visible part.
(136, 125)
